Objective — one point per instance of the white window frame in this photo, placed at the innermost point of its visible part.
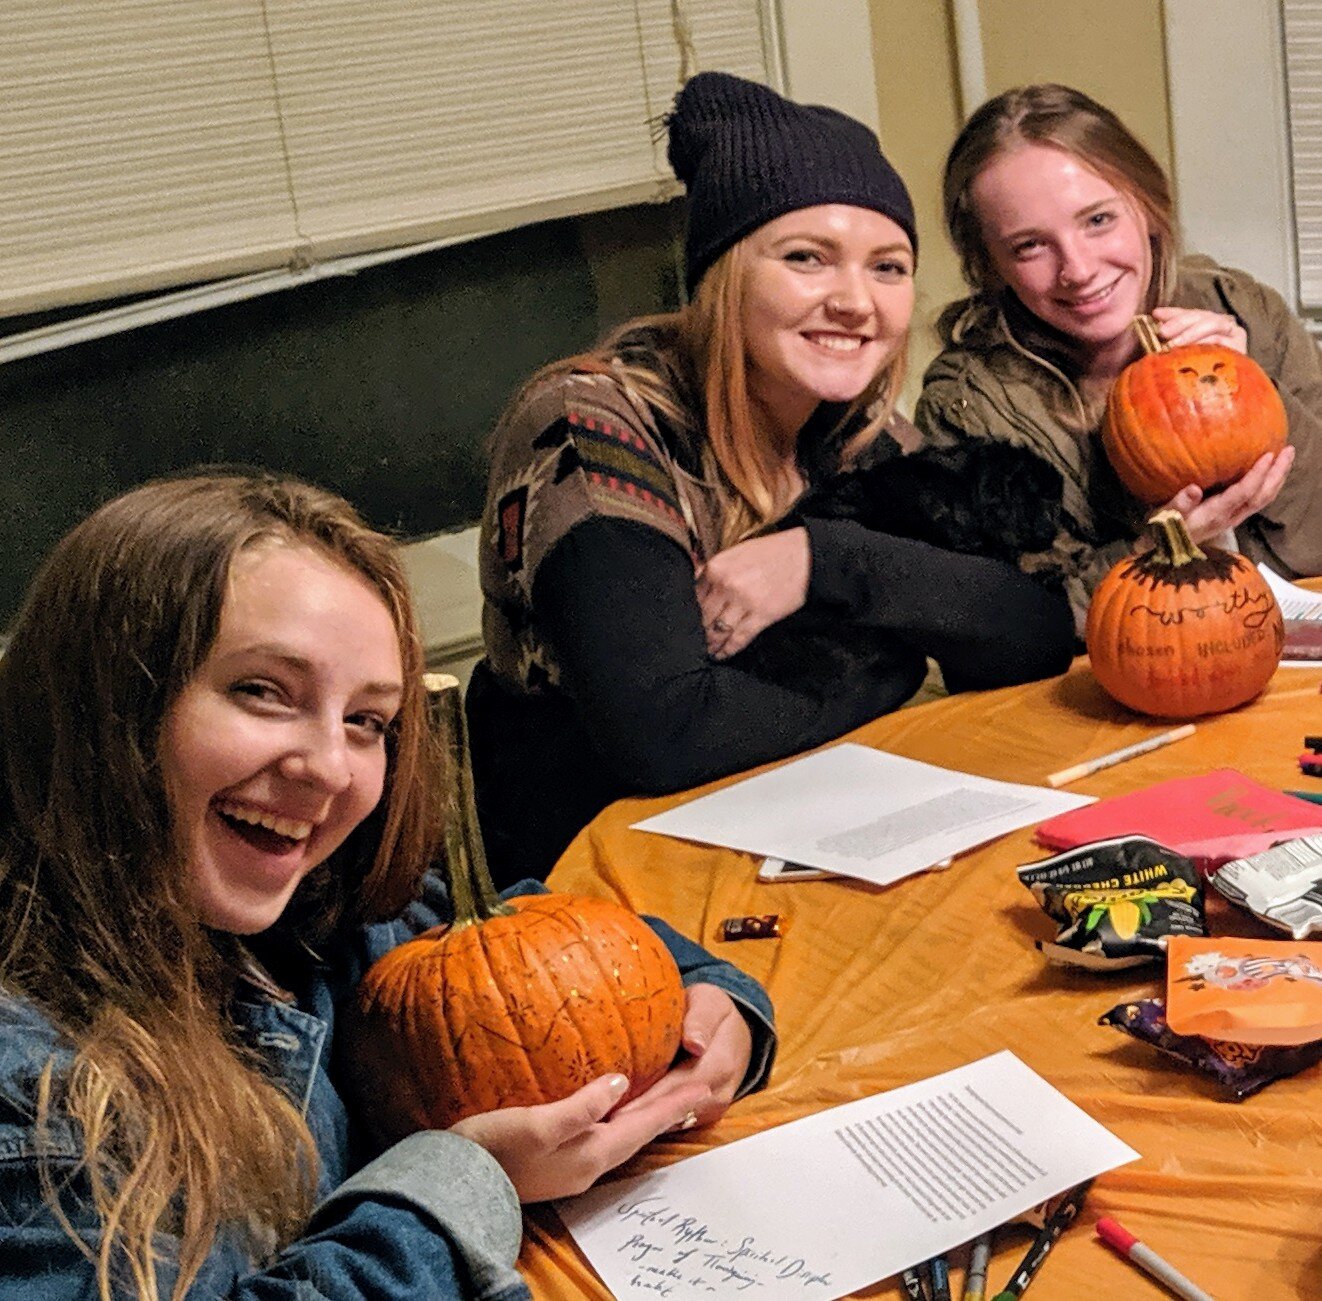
(1230, 136)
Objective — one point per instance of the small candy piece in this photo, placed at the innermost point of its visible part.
(766, 927)
(1240, 1069)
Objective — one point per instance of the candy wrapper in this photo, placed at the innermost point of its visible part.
(1240, 1069)
(1116, 902)
(1282, 885)
(769, 926)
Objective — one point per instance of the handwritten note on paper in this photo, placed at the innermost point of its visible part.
(821, 1207)
(861, 812)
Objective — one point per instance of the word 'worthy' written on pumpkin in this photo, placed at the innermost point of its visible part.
(823, 1206)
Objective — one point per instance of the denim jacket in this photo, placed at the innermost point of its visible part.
(434, 1216)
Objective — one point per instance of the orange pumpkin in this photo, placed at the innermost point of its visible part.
(1179, 632)
(1196, 414)
(512, 1004)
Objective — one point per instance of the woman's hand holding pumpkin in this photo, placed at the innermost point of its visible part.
(1181, 325)
(717, 1046)
(745, 589)
(1208, 516)
(559, 1149)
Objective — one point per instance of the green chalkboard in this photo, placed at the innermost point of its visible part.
(383, 385)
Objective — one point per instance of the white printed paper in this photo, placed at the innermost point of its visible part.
(861, 812)
(826, 1205)
(1296, 603)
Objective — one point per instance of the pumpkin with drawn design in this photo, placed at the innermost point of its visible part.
(515, 1002)
(1201, 413)
(1180, 631)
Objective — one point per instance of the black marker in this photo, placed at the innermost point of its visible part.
(1057, 1222)
(913, 1285)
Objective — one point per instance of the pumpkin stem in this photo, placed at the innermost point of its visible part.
(472, 894)
(1172, 544)
(1149, 335)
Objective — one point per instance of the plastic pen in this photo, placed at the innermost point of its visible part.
(975, 1281)
(1313, 797)
(1057, 1222)
(1146, 1259)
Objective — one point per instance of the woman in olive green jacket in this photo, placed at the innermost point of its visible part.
(1065, 228)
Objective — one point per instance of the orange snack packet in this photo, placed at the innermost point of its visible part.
(1244, 991)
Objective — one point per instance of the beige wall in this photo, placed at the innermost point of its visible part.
(1113, 51)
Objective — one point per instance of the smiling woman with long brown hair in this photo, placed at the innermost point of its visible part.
(218, 804)
(1065, 226)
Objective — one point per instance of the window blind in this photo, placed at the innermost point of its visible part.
(146, 144)
(1302, 28)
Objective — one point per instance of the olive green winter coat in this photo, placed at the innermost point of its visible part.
(1002, 377)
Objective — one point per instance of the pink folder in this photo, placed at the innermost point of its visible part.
(1211, 818)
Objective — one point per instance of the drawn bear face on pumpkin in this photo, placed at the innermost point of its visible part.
(1205, 377)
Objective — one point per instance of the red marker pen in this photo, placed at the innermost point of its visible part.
(1146, 1259)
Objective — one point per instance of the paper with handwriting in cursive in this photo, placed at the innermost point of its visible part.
(823, 1206)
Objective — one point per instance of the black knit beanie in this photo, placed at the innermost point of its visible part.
(747, 155)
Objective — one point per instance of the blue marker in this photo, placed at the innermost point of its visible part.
(938, 1271)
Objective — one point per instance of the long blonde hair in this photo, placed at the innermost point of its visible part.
(1069, 120)
(691, 368)
(183, 1133)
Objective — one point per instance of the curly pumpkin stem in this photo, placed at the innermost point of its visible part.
(1149, 335)
(1172, 544)
(471, 892)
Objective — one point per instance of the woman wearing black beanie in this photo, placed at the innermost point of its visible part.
(670, 593)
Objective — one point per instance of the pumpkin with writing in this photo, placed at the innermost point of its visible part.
(514, 1003)
(1201, 413)
(1178, 631)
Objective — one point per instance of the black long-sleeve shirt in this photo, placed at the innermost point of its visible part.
(642, 708)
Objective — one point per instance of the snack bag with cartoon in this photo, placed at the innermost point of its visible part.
(1246, 991)
(1117, 901)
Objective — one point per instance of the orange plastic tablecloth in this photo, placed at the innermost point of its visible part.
(875, 987)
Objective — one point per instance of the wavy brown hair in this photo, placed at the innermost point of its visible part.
(1066, 119)
(184, 1135)
(691, 368)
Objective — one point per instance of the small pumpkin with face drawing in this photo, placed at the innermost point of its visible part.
(1202, 413)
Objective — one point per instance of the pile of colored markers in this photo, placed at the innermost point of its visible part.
(931, 1280)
